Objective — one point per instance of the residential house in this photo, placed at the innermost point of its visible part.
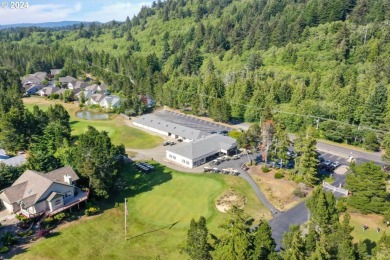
(35, 193)
(94, 88)
(54, 72)
(66, 80)
(95, 99)
(200, 151)
(87, 94)
(35, 78)
(60, 91)
(102, 88)
(98, 88)
(77, 84)
(110, 102)
(47, 91)
(32, 89)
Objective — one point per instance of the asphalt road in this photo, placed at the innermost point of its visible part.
(281, 223)
(345, 152)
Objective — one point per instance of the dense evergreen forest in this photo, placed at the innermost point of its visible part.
(303, 60)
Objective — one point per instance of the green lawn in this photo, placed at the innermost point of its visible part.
(160, 205)
(116, 127)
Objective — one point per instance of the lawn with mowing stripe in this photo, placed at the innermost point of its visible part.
(116, 126)
(160, 204)
(180, 200)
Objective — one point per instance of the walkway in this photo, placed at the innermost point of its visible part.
(260, 195)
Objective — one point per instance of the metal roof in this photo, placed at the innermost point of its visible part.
(203, 146)
(175, 129)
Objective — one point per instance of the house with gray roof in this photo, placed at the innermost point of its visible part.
(77, 84)
(163, 127)
(200, 151)
(35, 193)
(35, 78)
(47, 91)
(54, 72)
(66, 80)
(32, 89)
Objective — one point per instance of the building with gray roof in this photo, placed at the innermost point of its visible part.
(163, 127)
(34, 192)
(200, 151)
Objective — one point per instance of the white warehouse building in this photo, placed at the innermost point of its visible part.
(163, 127)
(200, 151)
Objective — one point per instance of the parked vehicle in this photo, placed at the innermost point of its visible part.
(206, 169)
(166, 143)
(336, 164)
(236, 157)
(216, 162)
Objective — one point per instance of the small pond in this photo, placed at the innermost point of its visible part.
(90, 115)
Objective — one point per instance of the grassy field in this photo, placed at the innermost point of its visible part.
(372, 221)
(160, 205)
(115, 126)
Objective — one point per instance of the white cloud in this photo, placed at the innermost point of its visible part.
(118, 11)
(39, 13)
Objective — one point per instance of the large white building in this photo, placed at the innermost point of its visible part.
(200, 151)
(163, 127)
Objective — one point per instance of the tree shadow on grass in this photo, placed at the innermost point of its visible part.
(370, 245)
(155, 230)
(131, 182)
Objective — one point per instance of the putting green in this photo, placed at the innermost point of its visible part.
(184, 197)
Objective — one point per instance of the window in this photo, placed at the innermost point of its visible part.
(187, 162)
(170, 155)
(57, 202)
(68, 194)
(174, 157)
(183, 161)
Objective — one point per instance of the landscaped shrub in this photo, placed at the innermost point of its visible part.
(22, 218)
(54, 96)
(278, 175)
(47, 222)
(3, 249)
(60, 216)
(8, 239)
(299, 193)
(265, 168)
(92, 211)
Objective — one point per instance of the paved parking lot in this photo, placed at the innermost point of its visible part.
(190, 121)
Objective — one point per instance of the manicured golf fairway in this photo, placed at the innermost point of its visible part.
(181, 199)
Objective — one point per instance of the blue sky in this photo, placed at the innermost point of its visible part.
(40, 11)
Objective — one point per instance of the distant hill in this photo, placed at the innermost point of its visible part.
(47, 25)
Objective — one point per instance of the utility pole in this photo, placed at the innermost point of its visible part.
(318, 123)
(125, 220)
